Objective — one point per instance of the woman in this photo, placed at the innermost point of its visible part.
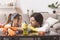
(36, 23)
(16, 20)
(14, 24)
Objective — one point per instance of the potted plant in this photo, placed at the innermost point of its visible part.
(54, 6)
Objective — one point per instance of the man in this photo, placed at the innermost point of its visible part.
(36, 23)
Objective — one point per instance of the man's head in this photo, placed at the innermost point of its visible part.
(36, 19)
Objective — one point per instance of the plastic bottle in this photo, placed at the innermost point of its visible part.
(25, 29)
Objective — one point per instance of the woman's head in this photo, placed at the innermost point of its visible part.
(36, 19)
(16, 19)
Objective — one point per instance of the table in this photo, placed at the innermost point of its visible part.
(46, 37)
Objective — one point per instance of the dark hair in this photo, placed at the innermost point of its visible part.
(9, 18)
(15, 15)
(38, 17)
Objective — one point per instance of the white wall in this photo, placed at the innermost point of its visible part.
(36, 5)
(6, 10)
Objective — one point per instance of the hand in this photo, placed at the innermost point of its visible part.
(11, 32)
(4, 30)
(14, 28)
(41, 33)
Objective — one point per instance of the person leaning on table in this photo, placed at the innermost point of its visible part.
(15, 23)
(36, 23)
(12, 26)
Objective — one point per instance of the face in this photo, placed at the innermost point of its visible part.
(20, 20)
(33, 22)
(17, 22)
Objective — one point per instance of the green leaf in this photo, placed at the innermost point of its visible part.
(56, 3)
